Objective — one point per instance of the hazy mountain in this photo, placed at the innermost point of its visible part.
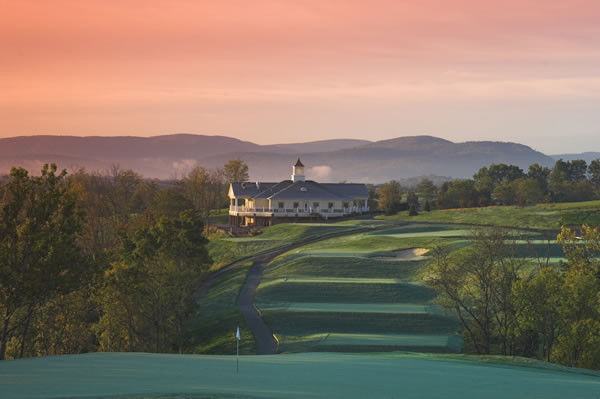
(321, 145)
(328, 160)
(587, 156)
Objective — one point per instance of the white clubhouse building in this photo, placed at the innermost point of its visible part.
(295, 200)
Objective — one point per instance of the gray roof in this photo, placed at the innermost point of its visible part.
(301, 190)
(250, 189)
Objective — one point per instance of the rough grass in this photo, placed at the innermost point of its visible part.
(542, 216)
(215, 323)
(304, 375)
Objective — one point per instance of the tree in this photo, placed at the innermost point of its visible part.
(528, 191)
(458, 193)
(39, 257)
(427, 206)
(373, 201)
(236, 170)
(594, 172)
(426, 188)
(412, 200)
(504, 193)
(205, 189)
(539, 300)
(579, 345)
(390, 197)
(476, 284)
(540, 174)
(149, 291)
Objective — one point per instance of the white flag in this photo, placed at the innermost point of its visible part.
(237, 334)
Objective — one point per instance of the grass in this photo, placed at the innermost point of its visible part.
(306, 323)
(542, 216)
(344, 293)
(298, 265)
(357, 286)
(215, 323)
(225, 250)
(304, 375)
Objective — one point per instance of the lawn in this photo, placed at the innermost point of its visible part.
(304, 375)
(214, 325)
(542, 216)
(225, 250)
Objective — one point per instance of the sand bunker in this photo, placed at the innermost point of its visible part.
(406, 255)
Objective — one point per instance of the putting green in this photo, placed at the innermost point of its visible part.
(306, 375)
(396, 308)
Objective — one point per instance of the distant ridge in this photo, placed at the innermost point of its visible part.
(336, 160)
(586, 156)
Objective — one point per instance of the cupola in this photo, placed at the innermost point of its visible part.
(298, 171)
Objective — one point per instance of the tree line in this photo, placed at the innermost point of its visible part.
(508, 307)
(498, 184)
(103, 262)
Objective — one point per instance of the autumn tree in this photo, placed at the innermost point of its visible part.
(390, 197)
(236, 170)
(205, 189)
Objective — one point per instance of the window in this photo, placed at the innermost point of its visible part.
(354, 203)
(345, 204)
(280, 205)
(315, 205)
(232, 202)
(330, 205)
(296, 204)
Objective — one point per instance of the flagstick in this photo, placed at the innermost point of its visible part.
(237, 363)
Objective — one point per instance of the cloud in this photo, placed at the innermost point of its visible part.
(184, 164)
(320, 172)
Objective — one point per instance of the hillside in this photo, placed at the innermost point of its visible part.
(586, 156)
(329, 160)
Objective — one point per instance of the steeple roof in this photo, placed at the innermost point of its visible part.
(298, 163)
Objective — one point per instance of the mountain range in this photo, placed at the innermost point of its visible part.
(174, 155)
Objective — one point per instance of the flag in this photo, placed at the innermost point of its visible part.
(237, 334)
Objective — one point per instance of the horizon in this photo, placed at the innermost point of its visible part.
(295, 72)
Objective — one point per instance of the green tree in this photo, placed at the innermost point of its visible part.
(390, 197)
(476, 284)
(426, 188)
(594, 172)
(540, 174)
(149, 292)
(39, 256)
(528, 191)
(539, 300)
(579, 343)
(236, 170)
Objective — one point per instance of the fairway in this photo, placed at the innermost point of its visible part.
(359, 293)
(306, 375)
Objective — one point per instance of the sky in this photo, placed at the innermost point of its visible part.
(277, 71)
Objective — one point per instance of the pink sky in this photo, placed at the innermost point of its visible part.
(287, 71)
